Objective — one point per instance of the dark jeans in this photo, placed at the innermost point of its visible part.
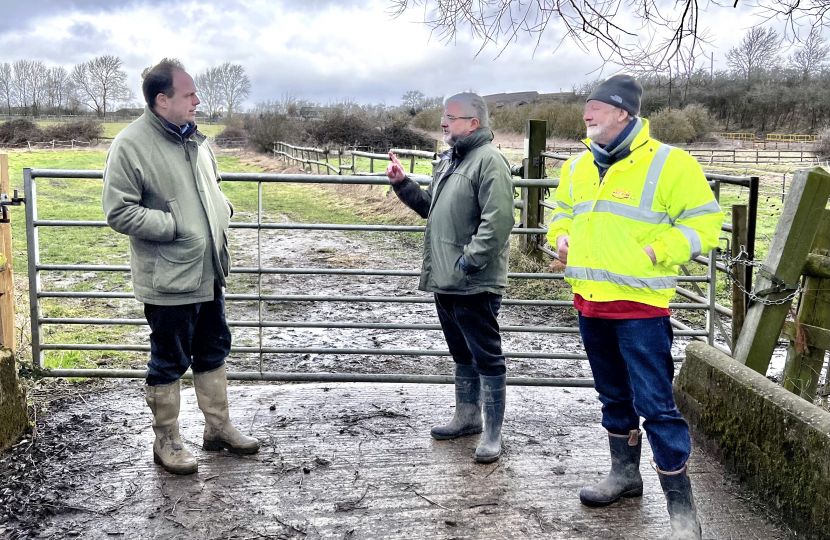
(471, 329)
(633, 371)
(194, 335)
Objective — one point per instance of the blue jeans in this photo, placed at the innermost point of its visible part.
(188, 335)
(633, 371)
(471, 328)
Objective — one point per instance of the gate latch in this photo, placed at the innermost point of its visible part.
(5, 202)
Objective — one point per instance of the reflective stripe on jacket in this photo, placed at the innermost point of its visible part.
(658, 197)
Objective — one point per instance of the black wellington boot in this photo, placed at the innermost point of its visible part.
(493, 398)
(467, 419)
(681, 505)
(624, 479)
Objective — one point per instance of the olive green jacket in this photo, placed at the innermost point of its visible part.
(469, 211)
(162, 190)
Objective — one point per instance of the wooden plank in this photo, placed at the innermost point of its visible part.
(786, 257)
(739, 238)
(7, 330)
(805, 359)
(814, 336)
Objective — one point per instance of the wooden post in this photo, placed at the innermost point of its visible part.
(805, 352)
(535, 137)
(317, 158)
(786, 257)
(371, 165)
(739, 237)
(340, 160)
(7, 334)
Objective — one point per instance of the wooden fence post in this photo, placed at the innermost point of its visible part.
(785, 259)
(6, 278)
(809, 334)
(535, 138)
(739, 238)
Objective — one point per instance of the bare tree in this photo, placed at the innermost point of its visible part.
(757, 51)
(211, 91)
(812, 56)
(101, 81)
(57, 86)
(236, 86)
(622, 32)
(413, 99)
(20, 83)
(37, 75)
(6, 86)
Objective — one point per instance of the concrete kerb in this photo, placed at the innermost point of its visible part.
(778, 443)
(14, 418)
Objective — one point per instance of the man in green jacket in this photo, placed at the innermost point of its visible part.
(161, 188)
(469, 212)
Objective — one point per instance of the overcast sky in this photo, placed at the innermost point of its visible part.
(321, 50)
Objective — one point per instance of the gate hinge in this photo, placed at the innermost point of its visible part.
(5, 202)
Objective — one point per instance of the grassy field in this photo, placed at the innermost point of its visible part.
(78, 199)
(81, 199)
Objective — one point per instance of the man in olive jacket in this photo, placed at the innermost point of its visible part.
(161, 188)
(469, 211)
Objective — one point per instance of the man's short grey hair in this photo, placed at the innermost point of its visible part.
(474, 105)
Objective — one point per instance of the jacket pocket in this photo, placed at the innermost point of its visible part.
(179, 265)
(445, 273)
(225, 254)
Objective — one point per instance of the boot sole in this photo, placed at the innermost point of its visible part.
(157, 460)
(216, 446)
(466, 432)
(636, 492)
(488, 459)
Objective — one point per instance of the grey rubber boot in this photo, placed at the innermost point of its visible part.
(681, 504)
(467, 419)
(624, 479)
(212, 395)
(168, 450)
(493, 398)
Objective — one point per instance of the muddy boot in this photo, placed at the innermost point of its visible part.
(212, 395)
(681, 505)
(624, 480)
(467, 419)
(168, 450)
(493, 394)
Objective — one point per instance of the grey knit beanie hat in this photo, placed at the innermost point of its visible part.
(621, 91)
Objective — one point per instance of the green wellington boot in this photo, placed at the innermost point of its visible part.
(493, 398)
(624, 479)
(467, 419)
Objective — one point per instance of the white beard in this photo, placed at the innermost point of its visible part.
(450, 140)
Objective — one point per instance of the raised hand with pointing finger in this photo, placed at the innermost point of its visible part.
(394, 171)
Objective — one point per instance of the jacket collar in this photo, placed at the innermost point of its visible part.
(477, 138)
(641, 139)
(171, 131)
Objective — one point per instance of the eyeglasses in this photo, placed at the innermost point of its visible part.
(449, 119)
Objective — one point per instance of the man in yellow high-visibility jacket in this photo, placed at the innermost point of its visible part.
(630, 210)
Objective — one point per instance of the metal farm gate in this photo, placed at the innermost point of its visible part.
(37, 293)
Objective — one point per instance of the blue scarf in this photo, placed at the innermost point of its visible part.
(619, 148)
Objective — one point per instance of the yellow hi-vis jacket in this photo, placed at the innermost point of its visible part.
(658, 197)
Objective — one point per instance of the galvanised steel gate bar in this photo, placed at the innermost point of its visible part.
(36, 294)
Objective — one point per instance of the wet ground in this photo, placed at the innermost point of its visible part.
(345, 460)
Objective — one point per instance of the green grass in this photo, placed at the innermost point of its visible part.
(79, 199)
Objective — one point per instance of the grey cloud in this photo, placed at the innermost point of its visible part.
(22, 15)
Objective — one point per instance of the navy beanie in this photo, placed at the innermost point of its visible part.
(621, 91)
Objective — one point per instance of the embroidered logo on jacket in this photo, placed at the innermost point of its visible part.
(621, 194)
